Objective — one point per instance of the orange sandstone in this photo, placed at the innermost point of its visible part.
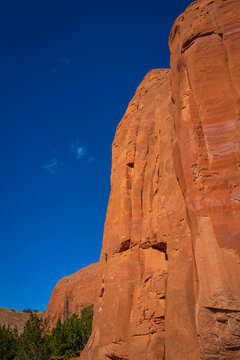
(71, 294)
(168, 278)
(205, 77)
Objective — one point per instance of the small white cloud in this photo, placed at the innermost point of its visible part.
(80, 152)
(78, 149)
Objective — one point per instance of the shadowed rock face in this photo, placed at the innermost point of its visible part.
(71, 294)
(169, 285)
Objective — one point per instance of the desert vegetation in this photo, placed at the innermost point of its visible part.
(37, 342)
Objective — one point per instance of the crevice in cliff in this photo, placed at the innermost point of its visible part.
(66, 307)
(123, 246)
(101, 292)
(164, 352)
(162, 246)
(114, 357)
(233, 348)
(215, 310)
(131, 165)
(186, 45)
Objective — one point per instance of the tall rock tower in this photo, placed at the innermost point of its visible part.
(168, 283)
(169, 269)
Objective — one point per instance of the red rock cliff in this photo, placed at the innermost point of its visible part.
(72, 293)
(169, 267)
(168, 285)
(205, 78)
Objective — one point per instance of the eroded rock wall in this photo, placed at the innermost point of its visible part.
(205, 78)
(169, 267)
(145, 208)
(72, 293)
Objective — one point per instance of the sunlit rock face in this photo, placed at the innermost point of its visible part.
(169, 269)
(146, 208)
(71, 294)
(205, 78)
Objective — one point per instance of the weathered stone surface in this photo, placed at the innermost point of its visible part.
(169, 286)
(146, 208)
(205, 77)
(168, 279)
(72, 293)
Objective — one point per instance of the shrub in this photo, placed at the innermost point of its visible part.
(33, 344)
(8, 343)
(86, 319)
(57, 340)
(69, 337)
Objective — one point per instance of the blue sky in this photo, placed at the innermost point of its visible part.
(68, 70)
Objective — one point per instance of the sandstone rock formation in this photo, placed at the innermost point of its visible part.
(170, 257)
(169, 275)
(71, 294)
(205, 73)
(145, 208)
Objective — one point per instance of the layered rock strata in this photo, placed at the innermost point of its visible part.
(71, 294)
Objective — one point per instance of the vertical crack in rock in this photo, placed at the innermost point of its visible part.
(66, 307)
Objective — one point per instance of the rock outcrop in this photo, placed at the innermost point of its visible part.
(168, 285)
(71, 294)
(170, 257)
(130, 312)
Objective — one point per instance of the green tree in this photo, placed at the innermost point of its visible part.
(57, 341)
(72, 329)
(69, 337)
(33, 344)
(86, 320)
(8, 343)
